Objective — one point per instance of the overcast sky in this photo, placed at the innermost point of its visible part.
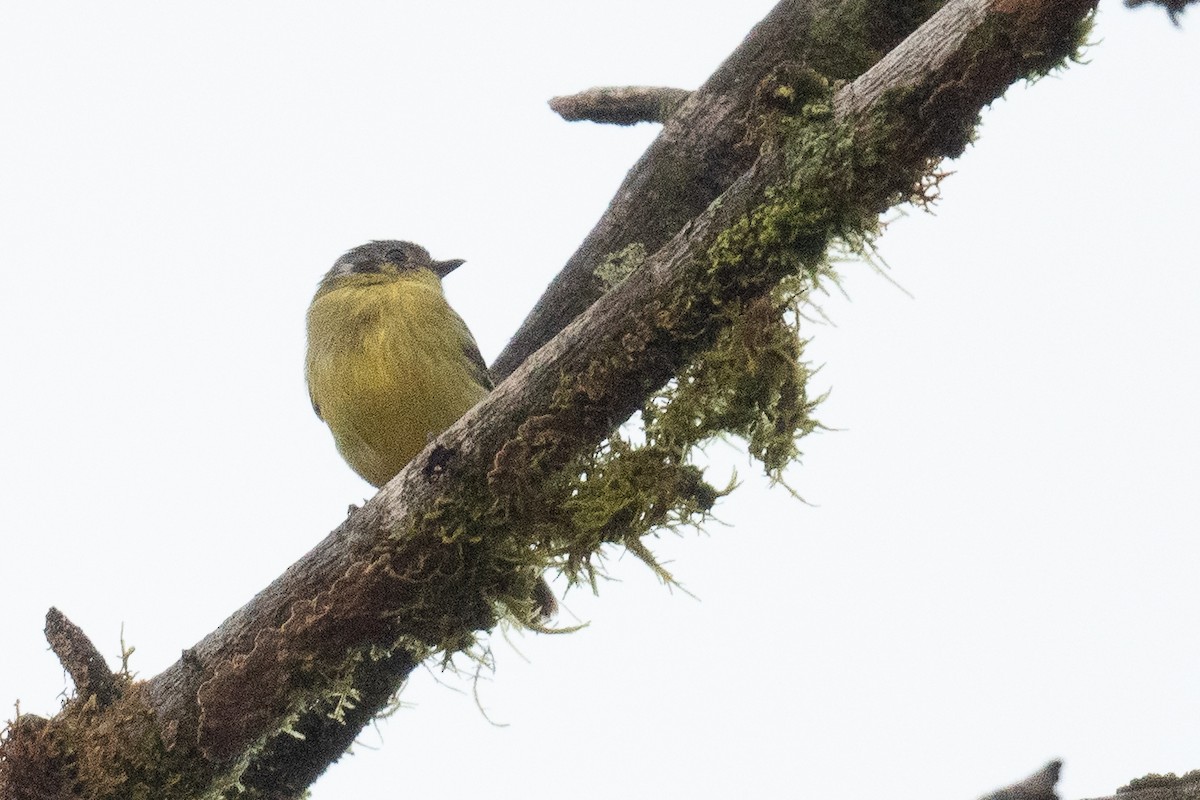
(997, 562)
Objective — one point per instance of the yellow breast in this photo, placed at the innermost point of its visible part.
(389, 367)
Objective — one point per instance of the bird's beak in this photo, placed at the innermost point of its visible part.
(444, 268)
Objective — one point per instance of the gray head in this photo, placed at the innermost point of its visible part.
(401, 256)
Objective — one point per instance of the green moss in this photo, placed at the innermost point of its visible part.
(825, 198)
(752, 384)
(788, 89)
(621, 492)
(1039, 43)
(848, 36)
(617, 266)
(115, 753)
(748, 379)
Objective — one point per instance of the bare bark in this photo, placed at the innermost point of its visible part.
(620, 105)
(235, 689)
(1038, 786)
(80, 658)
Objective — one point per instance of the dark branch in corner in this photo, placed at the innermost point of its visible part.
(1038, 786)
(1174, 7)
(1161, 787)
(620, 105)
(81, 659)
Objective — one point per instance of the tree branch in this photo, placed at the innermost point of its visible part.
(424, 564)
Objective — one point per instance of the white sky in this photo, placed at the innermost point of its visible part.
(998, 565)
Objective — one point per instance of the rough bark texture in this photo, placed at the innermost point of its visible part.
(620, 105)
(289, 764)
(1038, 786)
(80, 658)
(1161, 787)
(328, 624)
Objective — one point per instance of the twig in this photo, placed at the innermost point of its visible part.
(620, 105)
(1038, 786)
(81, 659)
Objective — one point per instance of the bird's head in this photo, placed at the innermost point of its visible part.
(391, 259)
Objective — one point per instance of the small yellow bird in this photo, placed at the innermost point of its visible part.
(390, 365)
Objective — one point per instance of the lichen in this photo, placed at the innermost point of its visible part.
(616, 267)
(848, 36)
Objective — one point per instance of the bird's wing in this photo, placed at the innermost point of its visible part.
(476, 364)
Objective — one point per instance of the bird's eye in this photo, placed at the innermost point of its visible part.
(397, 256)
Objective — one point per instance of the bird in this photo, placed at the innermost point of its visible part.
(390, 365)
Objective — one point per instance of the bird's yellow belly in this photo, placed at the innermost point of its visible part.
(388, 373)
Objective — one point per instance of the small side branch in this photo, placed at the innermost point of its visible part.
(1161, 787)
(1038, 786)
(620, 105)
(81, 659)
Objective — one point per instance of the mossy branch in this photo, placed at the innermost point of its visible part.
(523, 481)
